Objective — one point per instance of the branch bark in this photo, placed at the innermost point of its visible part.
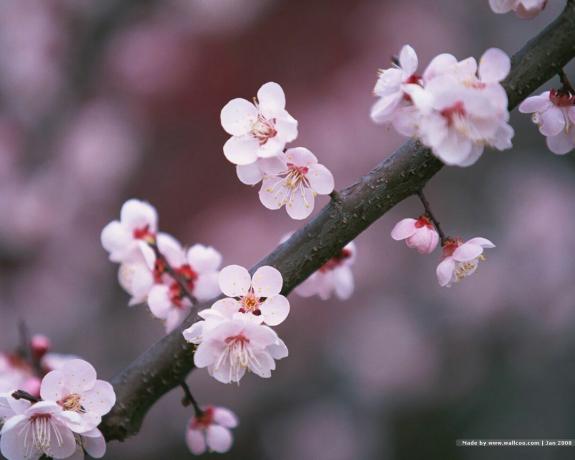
(166, 364)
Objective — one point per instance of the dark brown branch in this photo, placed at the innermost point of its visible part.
(166, 364)
(431, 216)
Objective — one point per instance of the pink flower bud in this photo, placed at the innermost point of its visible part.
(419, 234)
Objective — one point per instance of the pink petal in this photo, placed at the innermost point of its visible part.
(344, 284)
(301, 204)
(241, 150)
(78, 375)
(287, 128)
(227, 307)
(271, 98)
(275, 310)
(137, 214)
(501, 6)
(552, 122)
(249, 174)
(300, 156)
(203, 258)
(196, 441)
(273, 194)
(561, 144)
(467, 252)
(271, 148)
(64, 445)
(320, 179)
(404, 229)
(483, 242)
(454, 150)
(494, 65)
(383, 109)
(571, 114)
(439, 65)
(267, 281)
(408, 60)
(115, 237)
(207, 286)
(234, 281)
(237, 116)
(159, 301)
(219, 439)
(53, 386)
(207, 353)
(100, 399)
(171, 249)
(225, 417)
(445, 271)
(537, 103)
(94, 443)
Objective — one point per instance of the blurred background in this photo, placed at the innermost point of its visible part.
(101, 101)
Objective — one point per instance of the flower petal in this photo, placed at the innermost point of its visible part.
(320, 179)
(404, 229)
(100, 399)
(225, 417)
(271, 98)
(241, 150)
(196, 441)
(234, 280)
(494, 65)
(249, 174)
(267, 281)
(203, 258)
(445, 271)
(408, 60)
(275, 310)
(219, 439)
(467, 251)
(237, 116)
(137, 214)
(300, 204)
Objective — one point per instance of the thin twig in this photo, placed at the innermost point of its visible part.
(174, 274)
(567, 86)
(189, 399)
(21, 394)
(431, 217)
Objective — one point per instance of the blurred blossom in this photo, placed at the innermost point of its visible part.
(31, 45)
(151, 59)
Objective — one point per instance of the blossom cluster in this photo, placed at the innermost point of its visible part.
(459, 259)
(456, 108)
(60, 420)
(234, 335)
(525, 9)
(155, 268)
(259, 133)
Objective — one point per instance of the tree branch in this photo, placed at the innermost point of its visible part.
(166, 364)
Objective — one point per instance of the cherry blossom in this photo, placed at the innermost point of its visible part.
(419, 234)
(335, 276)
(197, 267)
(393, 86)
(75, 388)
(296, 186)
(257, 296)
(554, 113)
(462, 112)
(43, 428)
(525, 9)
(461, 259)
(260, 129)
(125, 239)
(236, 345)
(210, 431)
(136, 279)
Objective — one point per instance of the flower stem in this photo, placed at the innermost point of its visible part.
(567, 86)
(189, 399)
(21, 394)
(431, 217)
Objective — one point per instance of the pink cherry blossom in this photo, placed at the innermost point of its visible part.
(393, 85)
(126, 238)
(235, 344)
(462, 112)
(554, 113)
(75, 388)
(257, 296)
(40, 345)
(460, 259)
(197, 267)
(525, 9)
(43, 428)
(210, 431)
(136, 279)
(419, 234)
(14, 372)
(296, 186)
(260, 129)
(335, 276)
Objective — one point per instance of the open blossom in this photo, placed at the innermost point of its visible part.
(126, 238)
(393, 85)
(525, 9)
(43, 428)
(554, 113)
(75, 388)
(297, 184)
(419, 234)
(335, 276)
(462, 113)
(236, 345)
(257, 296)
(197, 267)
(461, 259)
(211, 430)
(260, 129)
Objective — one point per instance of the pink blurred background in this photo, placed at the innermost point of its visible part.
(108, 100)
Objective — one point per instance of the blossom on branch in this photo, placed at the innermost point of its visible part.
(419, 234)
(125, 239)
(296, 185)
(210, 431)
(335, 276)
(525, 9)
(460, 259)
(554, 112)
(260, 129)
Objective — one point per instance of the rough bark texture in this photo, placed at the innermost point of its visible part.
(168, 362)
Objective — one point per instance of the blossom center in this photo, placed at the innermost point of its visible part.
(336, 260)
(204, 420)
(423, 221)
(296, 176)
(450, 246)
(263, 129)
(453, 113)
(561, 98)
(72, 402)
(250, 303)
(145, 234)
